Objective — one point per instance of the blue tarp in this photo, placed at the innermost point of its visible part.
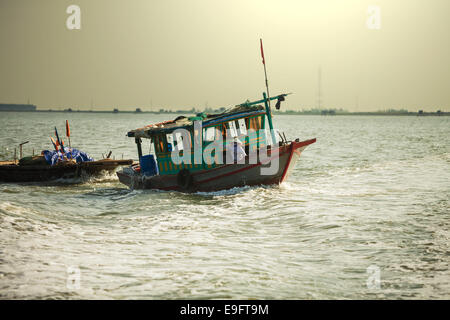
(148, 165)
(52, 156)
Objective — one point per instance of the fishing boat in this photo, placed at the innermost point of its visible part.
(264, 160)
(60, 163)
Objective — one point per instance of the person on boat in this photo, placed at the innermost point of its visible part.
(235, 150)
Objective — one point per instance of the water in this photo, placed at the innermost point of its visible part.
(371, 195)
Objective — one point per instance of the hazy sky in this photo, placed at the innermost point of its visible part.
(189, 53)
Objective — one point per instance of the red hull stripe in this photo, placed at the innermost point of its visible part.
(288, 162)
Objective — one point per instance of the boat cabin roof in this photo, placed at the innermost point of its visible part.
(185, 122)
(242, 110)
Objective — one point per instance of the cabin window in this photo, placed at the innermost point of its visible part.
(188, 143)
(197, 135)
(249, 123)
(162, 143)
(242, 127)
(254, 123)
(155, 143)
(258, 121)
(169, 138)
(209, 134)
(232, 129)
(159, 143)
(178, 141)
(151, 147)
(224, 131)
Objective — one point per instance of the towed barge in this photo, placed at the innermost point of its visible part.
(12, 171)
(60, 163)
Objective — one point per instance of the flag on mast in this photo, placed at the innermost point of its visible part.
(58, 140)
(262, 52)
(54, 143)
(68, 131)
(67, 128)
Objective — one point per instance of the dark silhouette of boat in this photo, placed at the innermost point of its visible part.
(13, 171)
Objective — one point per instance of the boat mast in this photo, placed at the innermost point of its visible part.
(265, 71)
(267, 97)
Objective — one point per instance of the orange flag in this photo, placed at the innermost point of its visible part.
(67, 128)
(54, 143)
(262, 52)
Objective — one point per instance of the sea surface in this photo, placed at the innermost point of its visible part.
(365, 214)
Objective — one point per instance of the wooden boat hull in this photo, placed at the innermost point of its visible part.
(12, 172)
(225, 176)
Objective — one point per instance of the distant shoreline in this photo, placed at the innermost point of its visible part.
(303, 113)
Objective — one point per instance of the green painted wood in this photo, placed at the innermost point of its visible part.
(269, 117)
(247, 104)
(165, 161)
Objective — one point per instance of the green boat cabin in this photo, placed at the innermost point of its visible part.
(238, 122)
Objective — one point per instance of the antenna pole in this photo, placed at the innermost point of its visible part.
(267, 98)
(265, 73)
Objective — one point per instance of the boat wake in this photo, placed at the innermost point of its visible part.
(11, 209)
(227, 192)
(104, 176)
